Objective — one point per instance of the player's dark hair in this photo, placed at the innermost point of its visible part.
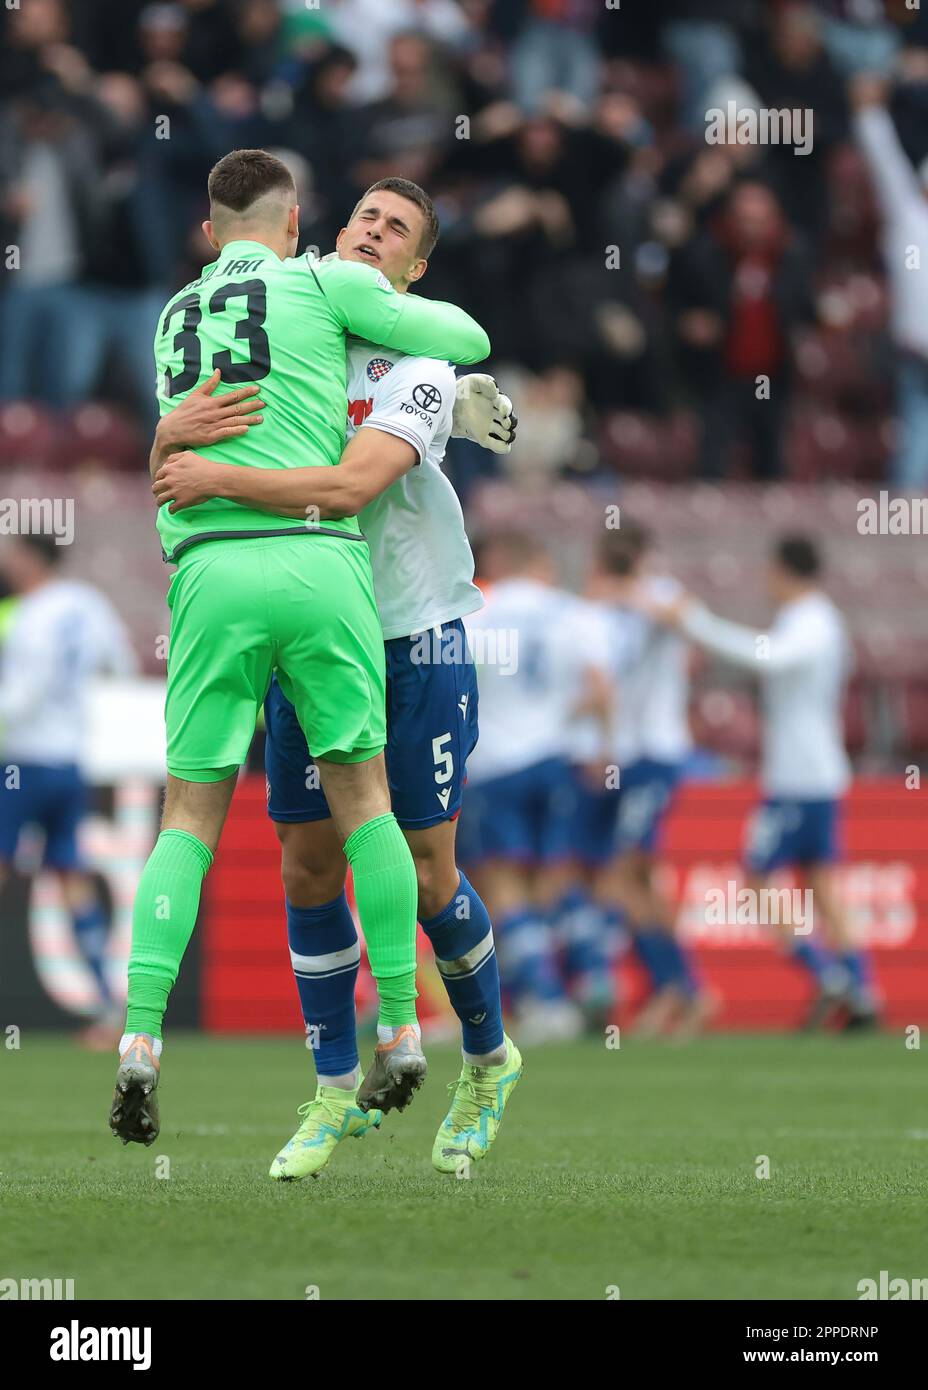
(620, 550)
(519, 549)
(46, 547)
(405, 188)
(241, 177)
(798, 555)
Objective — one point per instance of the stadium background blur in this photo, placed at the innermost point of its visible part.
(588, 224)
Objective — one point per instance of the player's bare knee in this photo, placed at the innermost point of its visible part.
(311, 864)
(307, 887)
(199, 808)
(438, 879)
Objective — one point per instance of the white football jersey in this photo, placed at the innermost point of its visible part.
(61, 636)
(803, 663)
(653, 720)
(530, 650)
(601, 645)
(422, 560)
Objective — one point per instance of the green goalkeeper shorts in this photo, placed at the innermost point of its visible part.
(241, 608)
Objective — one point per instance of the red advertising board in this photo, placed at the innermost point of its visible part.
(247, 985)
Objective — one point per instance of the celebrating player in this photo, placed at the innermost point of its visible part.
(803, 663)
(539, 665)
(652, 744)
(254, 593)
(58, 636)
(401, 411)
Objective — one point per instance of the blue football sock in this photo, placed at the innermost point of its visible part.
(581, 931)
(857, 965)
(528, 967)
(815, 959)
(650, 945)
(618, 938)
(325, 956)
(680, 965)
(462, 939)
(92, 933)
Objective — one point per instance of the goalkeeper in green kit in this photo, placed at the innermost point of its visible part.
(254, 593)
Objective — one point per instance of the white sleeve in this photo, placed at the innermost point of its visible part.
(896, 182)
(27, 674)
(755, 651)
(631, 640)
(114, 652)
(415, 401)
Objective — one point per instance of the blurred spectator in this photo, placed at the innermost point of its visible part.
(367, 27)
(742, 288)
(556, 52)
(552, 412)
(858, 35)
(584, 217)
(405, 131)
(791, 70)
(323, 127)
(50, 175)
(903, 198)
(94, 265)
(702, 39)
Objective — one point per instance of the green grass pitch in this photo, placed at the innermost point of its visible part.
(632, 1168)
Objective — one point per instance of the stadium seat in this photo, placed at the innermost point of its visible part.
(855, 717)
(103, 436)
(914, 715)
(635, 445)
(726, 722)
(830, 367)
(821, 445)
(29, 436)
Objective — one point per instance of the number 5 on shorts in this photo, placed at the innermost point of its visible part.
(443, 759)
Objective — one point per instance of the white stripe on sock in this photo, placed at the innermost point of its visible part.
(471, 960)
(331, 964)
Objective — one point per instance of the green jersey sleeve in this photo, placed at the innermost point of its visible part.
(366, 304)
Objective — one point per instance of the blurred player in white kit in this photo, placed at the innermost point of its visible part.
(538, 666)
(803, 663)
(622, 829)
(60, 634)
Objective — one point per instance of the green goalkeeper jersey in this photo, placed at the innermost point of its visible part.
(282, 324)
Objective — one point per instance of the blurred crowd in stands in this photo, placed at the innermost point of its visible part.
(636, 280)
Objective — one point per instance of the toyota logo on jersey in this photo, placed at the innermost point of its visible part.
(427, 397)
(378, 367)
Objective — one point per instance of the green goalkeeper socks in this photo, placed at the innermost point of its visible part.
(168, 900)
(387, 896)
(163, 919)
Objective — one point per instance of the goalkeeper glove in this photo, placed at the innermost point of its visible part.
(483, 414)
